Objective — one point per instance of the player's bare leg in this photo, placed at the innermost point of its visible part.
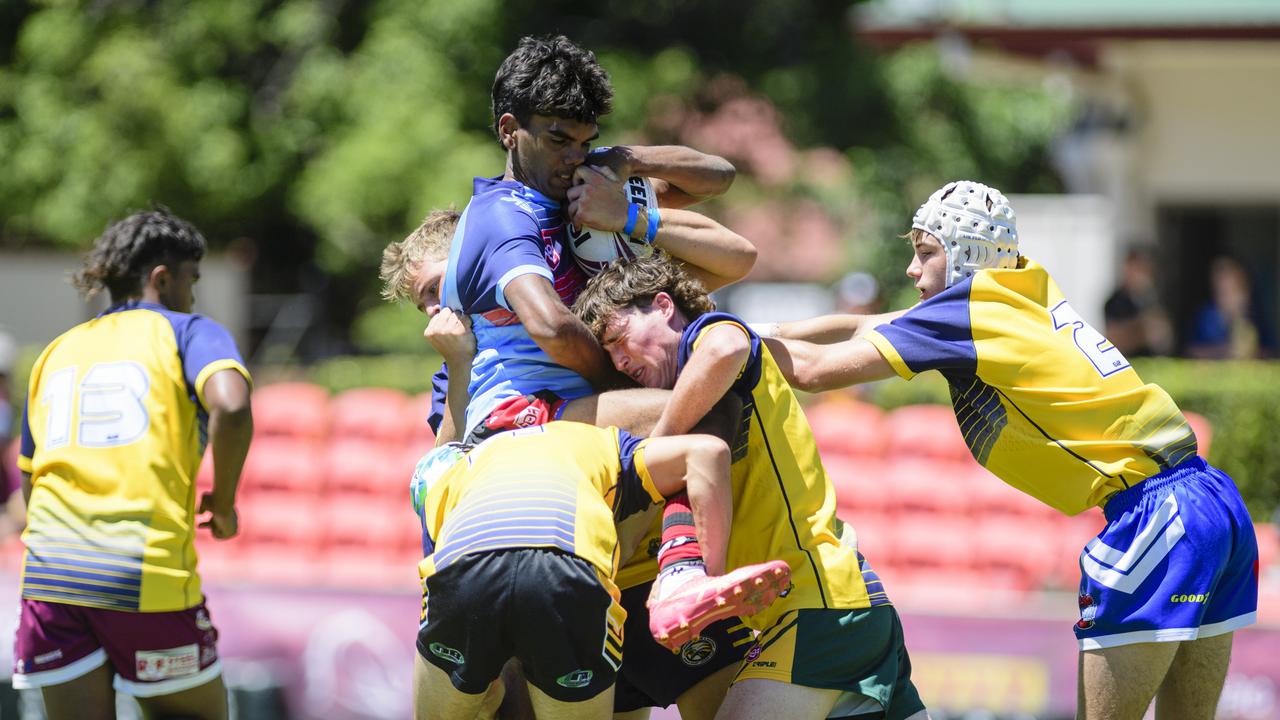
(207, 701)
(1194, 683)
(641, 714)
(1118, 683)
(702, 701)
(599, 707)
(760, 699)
(88, 697)
(435, 697)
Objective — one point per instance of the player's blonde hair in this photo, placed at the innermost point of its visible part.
(400, 260)
(634, 283)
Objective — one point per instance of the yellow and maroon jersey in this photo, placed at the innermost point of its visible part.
(561, 485)
(1043, 400)
(112, 435)
(783, 504)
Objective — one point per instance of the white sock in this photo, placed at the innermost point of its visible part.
(672, 578)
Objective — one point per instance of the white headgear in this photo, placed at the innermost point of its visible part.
(975, 225)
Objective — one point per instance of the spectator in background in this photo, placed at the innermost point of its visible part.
(1228, 326)
(1136, 322)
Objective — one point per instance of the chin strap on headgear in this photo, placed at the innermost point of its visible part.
(975, 225)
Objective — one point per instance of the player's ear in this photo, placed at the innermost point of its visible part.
(158, 278)
(507, 127)
(665, 305)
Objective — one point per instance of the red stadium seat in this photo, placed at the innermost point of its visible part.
(367, 466)
(1268, 544)
(1073, 534)
(925, 431)
(929, 486)
(279, 463)
(842, 427)
(372, 413)
(367, 523)
(932, 541)
(1203, 430)
(861, 484)
(293, 409)
(281, 518)
(1027, 548)
(992, 496)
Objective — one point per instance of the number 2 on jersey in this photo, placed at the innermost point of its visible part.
(1104, 356)
(111, 409)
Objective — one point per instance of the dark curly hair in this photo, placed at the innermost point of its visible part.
(551, 76)
(634, 283)
(128, 250)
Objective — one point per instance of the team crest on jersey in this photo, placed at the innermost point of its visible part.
(697, 651)
(754, 653)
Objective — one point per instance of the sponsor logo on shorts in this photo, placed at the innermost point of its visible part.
(444, 652)
(154, 665)
(1088, 611)
(764, 664)
(1204, 597)
(208, 655)
(575, 679)
(202, 620)
(697, 651)
(754, 653)
(48, 657)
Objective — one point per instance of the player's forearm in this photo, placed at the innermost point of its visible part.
(571, 345)
(817, 368)
(230, 432)
(707, 377)
(828, 329)
(695, 175)
(713, 253)
(710, 493)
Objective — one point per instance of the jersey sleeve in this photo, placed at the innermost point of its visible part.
(636, 490)
(506, 246)
(753, 342)
(934, 335)
(206, 348)
(439, 389)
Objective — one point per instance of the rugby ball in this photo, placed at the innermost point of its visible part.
(595, 249)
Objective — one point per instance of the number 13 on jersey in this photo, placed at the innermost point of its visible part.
(110, 399)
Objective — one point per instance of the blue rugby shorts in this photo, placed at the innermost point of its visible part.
(1178, 560)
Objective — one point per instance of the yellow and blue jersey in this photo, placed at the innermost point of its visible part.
(113, 433)
(783, 504)
(1043, 400)
(561, 485)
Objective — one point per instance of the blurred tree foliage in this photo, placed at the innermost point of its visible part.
(322, 129)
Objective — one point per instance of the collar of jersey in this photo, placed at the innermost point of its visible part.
(484, 185)
(132, 305)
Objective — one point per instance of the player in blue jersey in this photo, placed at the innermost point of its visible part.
(119, 411)
(1050, 407)
(510, 267)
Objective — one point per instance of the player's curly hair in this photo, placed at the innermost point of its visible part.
(400, 259)
(551, 76)
(634, 283)
(128, 250)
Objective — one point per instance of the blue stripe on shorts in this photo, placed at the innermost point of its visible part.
(1178, 560)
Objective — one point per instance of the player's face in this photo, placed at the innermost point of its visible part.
(546, 151)
(426, 285)
(176, 290)
(929, 266)
(642, 342)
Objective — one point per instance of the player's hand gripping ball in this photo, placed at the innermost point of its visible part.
(594, 249)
